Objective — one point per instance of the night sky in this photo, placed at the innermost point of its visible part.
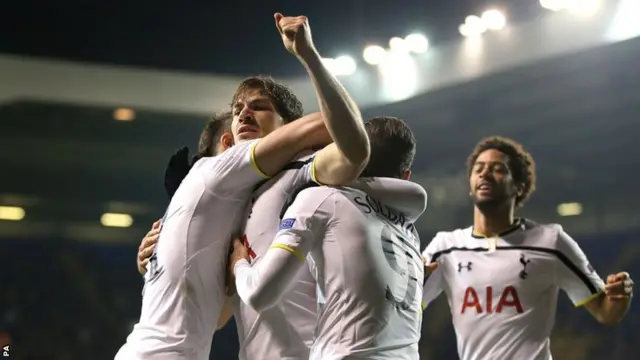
(232, 37)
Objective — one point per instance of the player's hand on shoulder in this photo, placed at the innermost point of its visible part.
(147, 245)
(619, 286)
(296, 35)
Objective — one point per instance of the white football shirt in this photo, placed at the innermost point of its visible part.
(503, 291)
(284, 331)
(185, 284)
(364, 255)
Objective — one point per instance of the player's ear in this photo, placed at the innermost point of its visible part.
(406, 175)
(226, 140)
(280, 119)
(519, 189)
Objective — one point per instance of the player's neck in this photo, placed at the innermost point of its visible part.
(491, 223)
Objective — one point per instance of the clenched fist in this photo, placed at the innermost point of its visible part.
(619, 286)
(296, 35)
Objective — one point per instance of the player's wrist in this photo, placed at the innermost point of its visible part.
(311, 60)
(239, 264)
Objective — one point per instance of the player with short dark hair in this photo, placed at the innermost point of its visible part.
(260, 105)
(363, 251)
(282, 98)
(393, 147)
(502, 275)
(209, 143)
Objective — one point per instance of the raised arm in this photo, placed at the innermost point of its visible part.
(344, 160)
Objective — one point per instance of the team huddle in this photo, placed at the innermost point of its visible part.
(301, 227)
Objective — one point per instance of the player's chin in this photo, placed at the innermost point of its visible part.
(487, 202)
(248, 135)
(483, 199)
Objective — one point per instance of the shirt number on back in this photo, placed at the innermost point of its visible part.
(397, 251)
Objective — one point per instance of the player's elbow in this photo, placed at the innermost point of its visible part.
(605, 315)
(339, 174)
(334, 167)
(358, 153)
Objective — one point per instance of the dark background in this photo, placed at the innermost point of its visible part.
(69, 286)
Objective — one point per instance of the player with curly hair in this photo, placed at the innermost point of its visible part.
(502, 275)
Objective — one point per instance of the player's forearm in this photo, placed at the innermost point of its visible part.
(262, 286)
(278, 148)
(341, 114)
(613, 311)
